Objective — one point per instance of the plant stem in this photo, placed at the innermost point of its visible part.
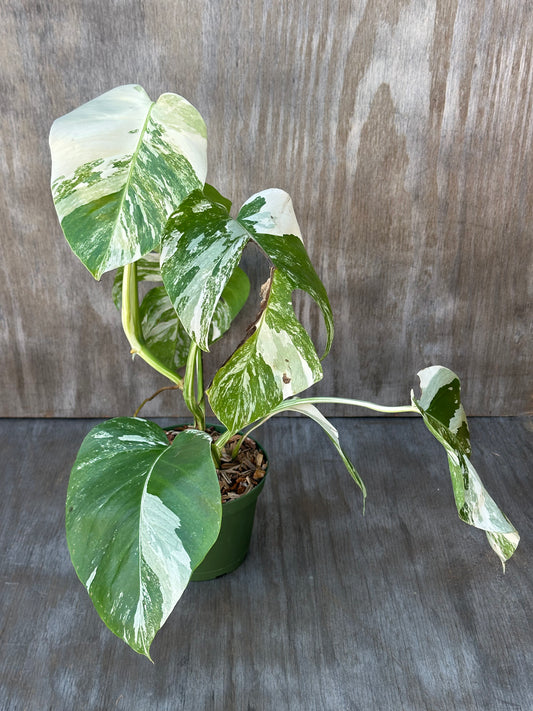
(193, 374)
(131, 323)
(157, 392)
(345, 401)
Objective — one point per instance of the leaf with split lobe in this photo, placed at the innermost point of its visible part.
(121, 163)
(269, 218)
(444, 416)
(276, 361)
(141, 515)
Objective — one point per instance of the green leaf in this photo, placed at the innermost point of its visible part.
(141, 515)
(213, 195)
(120, 165)
(163, 331)
(200, 250)
(276, 361)
(269, 218)
(444, 416)
(164, 335)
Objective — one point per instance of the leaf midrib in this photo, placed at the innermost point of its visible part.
(130, 173)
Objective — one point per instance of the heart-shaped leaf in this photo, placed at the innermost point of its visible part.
(444, 416)
(141, 515)
(120, 165)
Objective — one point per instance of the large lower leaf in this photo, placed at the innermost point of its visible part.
(141, 515)
(120, 165)
(276, 361)
(444, 416)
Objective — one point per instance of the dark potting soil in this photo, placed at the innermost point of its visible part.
(235, 476)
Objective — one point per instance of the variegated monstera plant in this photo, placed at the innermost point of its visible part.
(128, 182)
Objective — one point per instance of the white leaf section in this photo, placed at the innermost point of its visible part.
(164, 554)
(276, 215)
(101, 129)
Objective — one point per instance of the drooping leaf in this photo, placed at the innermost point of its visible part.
(269, 218)
(444, 416)
(201, 247)
(141, 515)
(120, 165)
(309, 410)
(276, 361)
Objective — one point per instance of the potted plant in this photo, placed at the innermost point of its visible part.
(144, 507)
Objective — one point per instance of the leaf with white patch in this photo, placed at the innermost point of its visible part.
(202, 245)
(309, 410)
(276, 361)
(200, 250)
(120, 165)
(141, 515)
(444, 416)
(164, 335)
(269, 218)
(212, 194)
(163, 332)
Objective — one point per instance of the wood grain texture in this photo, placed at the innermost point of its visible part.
(403, 608)
(402, 129)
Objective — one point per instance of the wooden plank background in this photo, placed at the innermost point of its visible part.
(401, 128)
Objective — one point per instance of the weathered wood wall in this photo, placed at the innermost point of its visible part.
(402, 129)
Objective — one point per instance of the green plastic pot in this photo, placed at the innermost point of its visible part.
(231, 547)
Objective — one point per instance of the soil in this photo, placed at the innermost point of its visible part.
(235, 476)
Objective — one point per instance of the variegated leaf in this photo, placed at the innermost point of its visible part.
(202, 243)
(141, 515)
(213, 195)
(234, 296)
(120, 165)
(164, 335)
(276, 361)
(163, 331)
(201, 247)
(444, 416)
(269, 218)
